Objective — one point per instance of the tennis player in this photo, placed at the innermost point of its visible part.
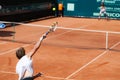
(24, 67)
(103, 11)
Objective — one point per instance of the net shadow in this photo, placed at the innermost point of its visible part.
(18, 41)
(6, 33)
(80, 47)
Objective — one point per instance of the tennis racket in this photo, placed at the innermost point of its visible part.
(52, 28)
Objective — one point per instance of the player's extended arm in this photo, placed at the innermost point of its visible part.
(38, 44)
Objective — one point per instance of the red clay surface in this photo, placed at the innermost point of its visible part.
(66, 54)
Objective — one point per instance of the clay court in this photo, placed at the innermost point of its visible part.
(77, 50)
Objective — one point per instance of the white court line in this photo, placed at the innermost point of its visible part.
(36, 25)
(37, 34)
(13, 49)
(6, 72)
(81, 68)
(67, 78)
(77, 29)
(63, 33)
(115, 45)
(28, 45)
(70, 30)
(52, 77)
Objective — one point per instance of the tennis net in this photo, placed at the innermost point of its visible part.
(86, 39)
(22, 32)
(64, 37)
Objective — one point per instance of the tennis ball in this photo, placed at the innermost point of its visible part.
(53, 9)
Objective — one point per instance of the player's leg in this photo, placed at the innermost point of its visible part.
(105, 14)
(100, 15)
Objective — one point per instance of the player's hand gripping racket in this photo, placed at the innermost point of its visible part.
(53, 27)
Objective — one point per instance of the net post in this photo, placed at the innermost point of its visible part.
(107, 40)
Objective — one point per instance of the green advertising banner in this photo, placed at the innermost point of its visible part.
(91, 8)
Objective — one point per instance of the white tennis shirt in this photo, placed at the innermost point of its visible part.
(24, 64)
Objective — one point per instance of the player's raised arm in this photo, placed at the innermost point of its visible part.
(38, 44)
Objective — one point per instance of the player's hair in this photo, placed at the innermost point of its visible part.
(102, 4)
(20, 52)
